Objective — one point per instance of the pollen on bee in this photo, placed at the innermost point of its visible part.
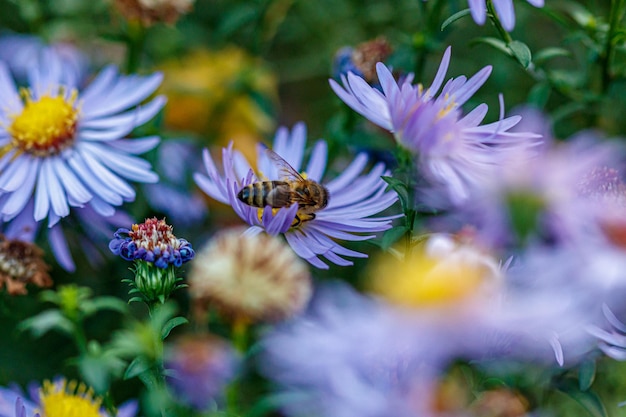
(296, 221)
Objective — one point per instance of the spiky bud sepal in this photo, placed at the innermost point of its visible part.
(153, 284)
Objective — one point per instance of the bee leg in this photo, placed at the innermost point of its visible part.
(296, 221)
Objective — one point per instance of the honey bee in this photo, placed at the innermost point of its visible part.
(292, 188)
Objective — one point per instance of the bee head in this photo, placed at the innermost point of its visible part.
(325, 197)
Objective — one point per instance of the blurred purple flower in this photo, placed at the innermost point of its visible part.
(352, 356)
(199, 369)
(176, 160)
(452, 150)
(564, 193)
(354, 198)
(504, 9)
(63, 149)
(20, 51)
(612, 341)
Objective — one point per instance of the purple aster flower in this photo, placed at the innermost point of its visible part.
(504, 9)
(199, 367)
(57, 399)
(453, 150)
(354, 198)
(63, 148)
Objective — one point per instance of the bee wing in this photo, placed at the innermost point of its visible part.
(286, 170)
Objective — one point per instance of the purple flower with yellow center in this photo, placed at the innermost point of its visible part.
(60, 398)
(452, 150)
(63, 148)
(503, 8)
(354, 199)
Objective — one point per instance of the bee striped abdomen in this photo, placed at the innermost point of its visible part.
(266, 193)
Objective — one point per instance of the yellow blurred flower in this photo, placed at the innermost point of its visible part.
(211, 93)
(443, 272)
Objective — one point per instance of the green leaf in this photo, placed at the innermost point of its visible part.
(95, 373)
(539, 94)
(454, 18)
(392, 235)
(110, 303)
(271, 403)
(521, 52)
(175, 322)
(547, 54)
(401, 189)
(45, 321)
(495, 43)
(138, 366)
(588, 399)
(586, 374)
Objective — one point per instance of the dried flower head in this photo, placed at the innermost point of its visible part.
(22, 263)
(153, 11)
(255, 278)
(367, 54)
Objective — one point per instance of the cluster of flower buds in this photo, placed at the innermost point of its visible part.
(152, 241)
(156, 252)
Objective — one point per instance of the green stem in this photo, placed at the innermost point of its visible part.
(615, 16)
(496, 22)
(239, 337)
(79, 337)
(135, 44)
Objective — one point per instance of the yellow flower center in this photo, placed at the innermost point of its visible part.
(430, 281)
(45, 126)
(68, 400)
(451, 104)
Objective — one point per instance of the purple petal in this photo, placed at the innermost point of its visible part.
(506, 13)
(441, 73)
(59, 247)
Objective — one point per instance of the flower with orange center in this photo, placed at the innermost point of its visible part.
(61, 147)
